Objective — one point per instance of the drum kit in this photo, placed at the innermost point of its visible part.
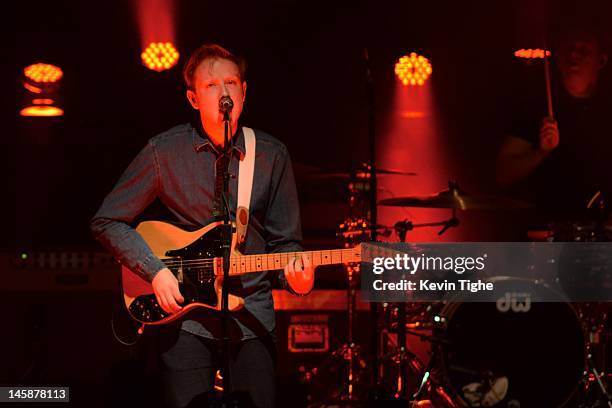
(456, 353)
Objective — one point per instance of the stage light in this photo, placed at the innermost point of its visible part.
(529, 56)
(41, 110)
(32, 88)
(531, 53)
(43, 73)
(160, 56)
(41, 82)
(42, 101)
(413, 69)
(412, 114)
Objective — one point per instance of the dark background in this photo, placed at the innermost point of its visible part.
(306, 86)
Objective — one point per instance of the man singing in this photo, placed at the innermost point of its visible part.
(178, 168)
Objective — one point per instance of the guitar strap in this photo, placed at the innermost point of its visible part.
(246, 169)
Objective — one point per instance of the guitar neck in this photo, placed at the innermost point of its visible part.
(242, 264)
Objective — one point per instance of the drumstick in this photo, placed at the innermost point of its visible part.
(547, 78)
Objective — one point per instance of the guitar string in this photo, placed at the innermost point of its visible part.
(209, 261)
(248, 265)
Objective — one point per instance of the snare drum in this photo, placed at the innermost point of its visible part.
(539, 349)
(583, 230)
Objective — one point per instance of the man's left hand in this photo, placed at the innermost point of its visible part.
(300, 274)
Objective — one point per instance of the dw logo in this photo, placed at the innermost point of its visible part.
(517, 302)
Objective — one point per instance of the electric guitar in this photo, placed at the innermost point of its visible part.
(196, 260)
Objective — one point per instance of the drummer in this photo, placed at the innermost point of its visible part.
(563, 161)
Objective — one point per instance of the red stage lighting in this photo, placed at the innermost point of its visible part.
(43, 73)
(41, 82)
(41, 110)
(531, 53)
(160, 56)
(413, 69)
(42, 101)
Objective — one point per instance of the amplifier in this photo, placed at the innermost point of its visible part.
(59, 271)
(312, 363)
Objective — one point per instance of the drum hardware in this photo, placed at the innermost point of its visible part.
(597, 378)
(412, 378)
(583, 230)
(596, 229)
(439, 382)
(356, 230)
(402, 356)
(592, 227)
(350, 187)
(402, 227)
(477, 348)
(594, 316)
(484, 346)
(352, 231)
(399, 365)
(453, 197)
(410, 368)
(430, 383)
(361, 172)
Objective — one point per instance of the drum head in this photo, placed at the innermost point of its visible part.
(540, 351)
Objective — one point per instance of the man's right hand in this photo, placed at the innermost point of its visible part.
(549, 135)
(166, 289)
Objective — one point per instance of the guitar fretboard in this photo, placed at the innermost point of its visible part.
(265, 262)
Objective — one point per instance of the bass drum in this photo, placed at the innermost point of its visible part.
(527, 357)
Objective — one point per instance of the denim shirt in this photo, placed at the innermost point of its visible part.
(177, 169)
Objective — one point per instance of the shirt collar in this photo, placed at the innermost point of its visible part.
(201, 141)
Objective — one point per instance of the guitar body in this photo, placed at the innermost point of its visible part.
(195, 258)
(185, 254)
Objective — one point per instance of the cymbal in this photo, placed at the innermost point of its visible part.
(338, 185)
(362, 174)
(453, 198)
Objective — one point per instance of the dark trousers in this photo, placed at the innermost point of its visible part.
(189, 367)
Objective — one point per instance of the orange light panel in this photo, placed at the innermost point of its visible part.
(43, 73)
(413, 69)
(39, 110)
(531, 53)
(42, 101)
(31, 88)
(160, 56)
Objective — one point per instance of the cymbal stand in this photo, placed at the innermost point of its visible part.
(350, 352)
(404, 357)
(401, 320)
(401, 355)
(402, 227)
(597, 376)
(597, 344)
(353, 231)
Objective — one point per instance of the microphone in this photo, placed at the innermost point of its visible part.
(226, 104)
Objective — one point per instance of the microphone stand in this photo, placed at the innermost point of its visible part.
(371, 107)
(226, 240)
